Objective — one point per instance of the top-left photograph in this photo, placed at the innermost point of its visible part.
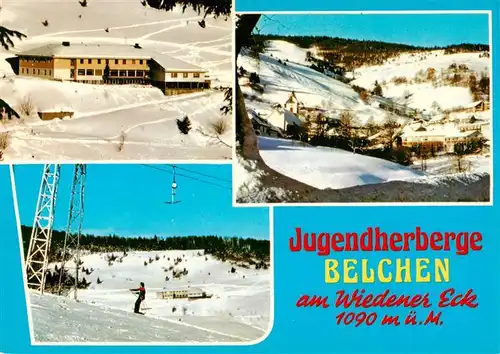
(99, 80)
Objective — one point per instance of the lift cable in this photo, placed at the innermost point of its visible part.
(199, 173)
(186, 176)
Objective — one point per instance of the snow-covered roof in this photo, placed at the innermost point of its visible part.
(188, 289)
(467, 106)
(195, 290)
(473, 104)
(169, 63)
(88, 51)
(446, 130)
(469, 133)
(432, 133)
(78, 51)
(437, 118)
(376, 135)
(313, 109)
(254, 116)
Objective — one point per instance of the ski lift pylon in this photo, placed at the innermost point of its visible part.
(174, 188)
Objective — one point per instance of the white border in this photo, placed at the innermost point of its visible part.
(116, 344)
(391, 204)
(21, 248)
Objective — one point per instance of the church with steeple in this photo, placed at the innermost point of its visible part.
(293, 104)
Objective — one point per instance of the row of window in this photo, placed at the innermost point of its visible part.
(432, 140)
(114, 81)
(456, 139)
(112, 73)
(184, 75)
(99, 61)
(100, 72)
(36, 71)
(186, 85)
(412, 139)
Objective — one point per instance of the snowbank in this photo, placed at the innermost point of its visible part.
(327, 167)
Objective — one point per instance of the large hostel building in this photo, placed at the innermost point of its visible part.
(112, 64)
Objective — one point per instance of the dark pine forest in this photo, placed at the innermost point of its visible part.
(225, 248)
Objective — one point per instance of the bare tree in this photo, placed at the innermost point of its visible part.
(320, 124)
(4, 143)
(390, 127)
(26, 106)
(347, 129)
(459, 150)
(371, 127)
(121, 141)
(422, 153)
(216, 130)
(435, 107)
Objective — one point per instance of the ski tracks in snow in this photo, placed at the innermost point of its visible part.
(113, 28)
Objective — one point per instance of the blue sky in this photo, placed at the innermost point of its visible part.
(129, 200)
(418, 29)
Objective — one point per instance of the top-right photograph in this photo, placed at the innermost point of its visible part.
(363, 108)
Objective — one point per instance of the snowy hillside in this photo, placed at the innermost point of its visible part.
(315, 89)
(106, 115)
(312, 88)
(408, 66)
(239, 310)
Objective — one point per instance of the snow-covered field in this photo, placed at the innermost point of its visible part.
(239, 311)
(105, 115)
(448, 165)
(424, 94)
(340, 178)
(323, 167)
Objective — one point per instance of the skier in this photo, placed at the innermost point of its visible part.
(141, 290)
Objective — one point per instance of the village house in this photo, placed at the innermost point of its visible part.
(262, 127)
(440, 138)
(284, 119)
(293, 105)
(397, 108)
(183, 293)
(461, 137)
(174, 76)
(112, 64)
(470, 122)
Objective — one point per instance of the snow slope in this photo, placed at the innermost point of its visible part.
(424, 94)
(329, 168)
(53, 96)
(312, 88)
(149, 131)
(407, 65)
(239, 310)
(105, 112)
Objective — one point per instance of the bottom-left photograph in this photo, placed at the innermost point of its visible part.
(142, 253)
